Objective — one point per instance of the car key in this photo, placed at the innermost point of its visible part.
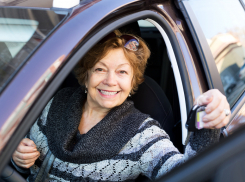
(194, 120)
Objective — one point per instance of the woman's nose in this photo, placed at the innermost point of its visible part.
(110, 79)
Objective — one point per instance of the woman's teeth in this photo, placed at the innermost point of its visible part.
(108, 93)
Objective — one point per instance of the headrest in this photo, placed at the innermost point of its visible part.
(131, 28)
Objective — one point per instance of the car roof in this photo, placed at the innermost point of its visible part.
(28, 3)
(40, 4)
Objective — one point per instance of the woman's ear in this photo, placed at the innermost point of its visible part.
(86, 80)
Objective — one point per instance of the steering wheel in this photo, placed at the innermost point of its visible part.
(10, 175)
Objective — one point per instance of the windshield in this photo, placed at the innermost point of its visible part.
(21, 31)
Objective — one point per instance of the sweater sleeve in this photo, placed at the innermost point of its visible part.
(41, 118)
(20, 169)
(161, 155)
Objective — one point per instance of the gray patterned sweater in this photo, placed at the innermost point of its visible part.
(125, 144)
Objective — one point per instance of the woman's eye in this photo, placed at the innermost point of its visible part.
(98, 69)
(123, 72)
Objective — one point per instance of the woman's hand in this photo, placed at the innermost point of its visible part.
(26, 154)
(217, 106)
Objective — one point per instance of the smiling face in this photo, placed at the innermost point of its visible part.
(109, 81)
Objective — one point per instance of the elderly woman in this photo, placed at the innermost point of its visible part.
(96, 134)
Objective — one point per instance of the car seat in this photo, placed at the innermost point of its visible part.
(151, 99)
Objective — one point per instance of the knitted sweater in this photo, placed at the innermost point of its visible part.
(123, 145)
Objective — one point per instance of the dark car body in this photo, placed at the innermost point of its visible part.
(38, 77)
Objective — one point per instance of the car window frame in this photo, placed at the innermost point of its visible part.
(92, 38)
(208, 63)
(242, 3)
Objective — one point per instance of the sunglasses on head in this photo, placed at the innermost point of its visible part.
(131, 42)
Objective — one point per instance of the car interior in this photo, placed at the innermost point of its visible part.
(157, 95)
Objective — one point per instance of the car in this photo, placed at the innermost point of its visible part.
(242, 73)
(194, 45)
(229, 84)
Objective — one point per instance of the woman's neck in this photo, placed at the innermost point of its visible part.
(90, 117)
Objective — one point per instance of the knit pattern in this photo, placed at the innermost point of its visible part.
(142, 154)
(104, 140)
(149, 152)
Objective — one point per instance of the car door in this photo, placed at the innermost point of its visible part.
(218, 30)
(46, 68)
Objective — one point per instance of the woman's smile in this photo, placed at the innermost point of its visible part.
(107, 93)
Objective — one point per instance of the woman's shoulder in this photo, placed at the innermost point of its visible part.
(148, 122)
(151, 128)
(149, 134)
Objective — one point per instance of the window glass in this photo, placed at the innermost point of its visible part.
(21, 31)
(223, 24)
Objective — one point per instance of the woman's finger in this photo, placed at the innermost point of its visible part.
(223, 123)
(26, 162)
(24, 148)
(25, 156)
(218, 111)
(217, 98)
(28, 142)
(25, 165)
(203, 99)
(211, 98)
(216, 122)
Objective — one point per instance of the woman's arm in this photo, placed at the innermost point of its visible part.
(27, 153)
(161, 156)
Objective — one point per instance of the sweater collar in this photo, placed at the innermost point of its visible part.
(101, 142)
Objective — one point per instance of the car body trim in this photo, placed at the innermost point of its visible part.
(178, 79)
(237, 117)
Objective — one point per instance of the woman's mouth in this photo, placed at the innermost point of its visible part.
(108, 93)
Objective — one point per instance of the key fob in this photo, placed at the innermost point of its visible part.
(200, 112)
(194, 119)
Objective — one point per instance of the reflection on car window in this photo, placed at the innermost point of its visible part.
(21, 31)
(223, 24)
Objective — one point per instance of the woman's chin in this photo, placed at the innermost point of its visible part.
(109, 104)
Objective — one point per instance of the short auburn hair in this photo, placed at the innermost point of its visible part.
(137, 59)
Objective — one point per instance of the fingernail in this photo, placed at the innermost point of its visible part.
(208, 97)
(208, 110)
(34, 149)
(204, 119)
